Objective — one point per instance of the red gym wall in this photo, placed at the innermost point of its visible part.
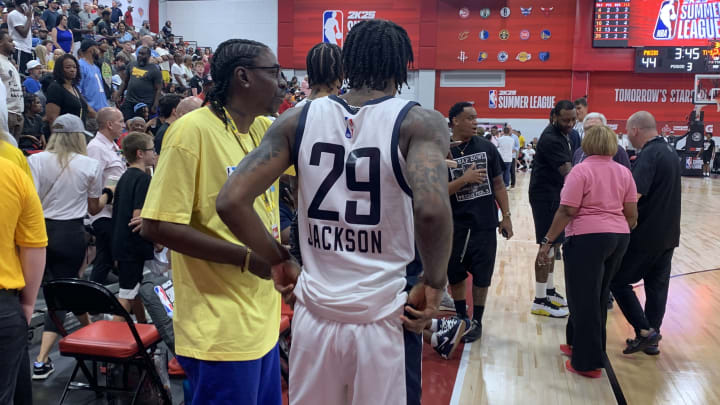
(573, 69)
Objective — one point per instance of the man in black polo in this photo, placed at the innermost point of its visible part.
(551, 164)
(475, 184)
(657, 175)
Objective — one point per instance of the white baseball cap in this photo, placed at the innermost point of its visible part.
(32, 64)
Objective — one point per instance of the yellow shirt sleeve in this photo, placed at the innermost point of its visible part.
(30, 230)
(171, 196)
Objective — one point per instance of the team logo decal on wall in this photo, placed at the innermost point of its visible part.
(482, 56)
(544, 56)
(333, 27)
(502, 56)
(492, 98)
(524, 35)
(547, 10)
(464, 12)
(463, 35)
(505, 12)
(545, 34)
(485, 13)
(462, 57)
(523, 56)
(484, 34)
(525, 11)
(504, 34)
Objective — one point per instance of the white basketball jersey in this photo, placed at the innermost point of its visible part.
(355, 217)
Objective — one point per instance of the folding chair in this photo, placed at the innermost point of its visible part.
(122, 343)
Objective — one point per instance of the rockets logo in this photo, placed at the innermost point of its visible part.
(463, 35)
(547, 10)
(525, 11)
(333, 27)
(492, 98)
(462, 57)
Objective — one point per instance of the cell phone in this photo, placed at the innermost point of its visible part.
(551, 252)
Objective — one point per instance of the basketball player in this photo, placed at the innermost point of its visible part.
(359, 159)
(707, 153)
(551, 164)
(325, 71)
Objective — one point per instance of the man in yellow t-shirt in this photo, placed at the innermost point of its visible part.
(227, 312)
(22, 251)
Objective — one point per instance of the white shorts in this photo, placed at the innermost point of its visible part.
(346, 363)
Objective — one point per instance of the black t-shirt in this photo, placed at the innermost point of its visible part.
(129, 195)
(74, 23)
(657, 176)
(473, 205)
(159, 136)
(142, 82)
(196, 83)
(708, 148)
(67, 101)
(103, 28)
(553, 150)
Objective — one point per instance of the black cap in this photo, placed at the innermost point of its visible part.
(87, 44)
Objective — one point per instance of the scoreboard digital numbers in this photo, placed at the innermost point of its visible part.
(612, 24)
(678, 59)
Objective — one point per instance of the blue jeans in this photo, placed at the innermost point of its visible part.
(506, 173)
(252, 382)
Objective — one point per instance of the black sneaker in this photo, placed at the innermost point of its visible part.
(41, 371)
(473, 333)
(449, 336)
(652, 350)
(642, 342)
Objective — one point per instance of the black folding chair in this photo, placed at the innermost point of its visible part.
(122, 343)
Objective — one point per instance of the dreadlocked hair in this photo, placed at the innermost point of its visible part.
(324, 64)
(228, 56)
(376, 51)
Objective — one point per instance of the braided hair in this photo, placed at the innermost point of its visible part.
(324, 64)
(228, 56)
(376, 51)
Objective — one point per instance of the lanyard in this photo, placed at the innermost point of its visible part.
(266, 196)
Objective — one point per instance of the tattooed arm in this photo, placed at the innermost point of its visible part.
(426, 137)
(255, 174)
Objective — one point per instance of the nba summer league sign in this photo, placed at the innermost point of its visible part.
(675, 22)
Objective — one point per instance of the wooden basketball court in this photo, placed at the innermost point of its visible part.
(517, 361)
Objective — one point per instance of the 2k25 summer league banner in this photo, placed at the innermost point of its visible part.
(505, 34)
(330, 21)
(527, 94)
(674, 22)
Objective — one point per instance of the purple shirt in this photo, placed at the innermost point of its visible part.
(599, 187)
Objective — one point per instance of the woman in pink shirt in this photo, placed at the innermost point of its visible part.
(598, 207)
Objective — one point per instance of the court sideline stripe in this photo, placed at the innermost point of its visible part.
(460, 377)
(614, 383)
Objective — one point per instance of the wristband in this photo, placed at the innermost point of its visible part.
(246, 267)
(109, 195)
(545, 241)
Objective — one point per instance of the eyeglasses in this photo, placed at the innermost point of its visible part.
(278, 71)
(148, 150)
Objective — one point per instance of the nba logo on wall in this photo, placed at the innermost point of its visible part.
(333, 27)
(492, 99)
(666, 24)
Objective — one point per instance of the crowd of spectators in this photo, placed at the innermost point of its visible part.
(77, 58)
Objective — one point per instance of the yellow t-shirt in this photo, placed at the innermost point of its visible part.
(15, 155)
(521, 140)
(221, 312)
(22, 223)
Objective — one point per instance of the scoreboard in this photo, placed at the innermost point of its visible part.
(678, 59)
(612, 24)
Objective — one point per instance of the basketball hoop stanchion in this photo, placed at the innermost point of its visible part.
(706, 92)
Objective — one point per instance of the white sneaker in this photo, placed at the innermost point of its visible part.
(557, 299)
(447, 303)
(547, 308)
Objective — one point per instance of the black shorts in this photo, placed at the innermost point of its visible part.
(707, 158)
(130, 275)
(472, 252)
(543, 214)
